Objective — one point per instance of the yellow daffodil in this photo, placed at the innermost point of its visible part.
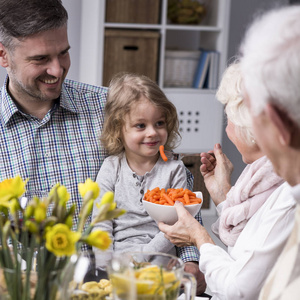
(14, 205)
(63, 195)
(40, 212)
(29, 211)
(11, 188)
(45, 229)
(61, 241)
(99, 239)
(89, 186)
(107, 209)
(108, 198)
(31, 226)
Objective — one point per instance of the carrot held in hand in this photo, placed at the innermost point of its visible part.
(162, 153)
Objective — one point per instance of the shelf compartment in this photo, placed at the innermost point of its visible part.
(130, 51)
(133, 11)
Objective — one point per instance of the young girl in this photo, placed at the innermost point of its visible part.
(138, 119)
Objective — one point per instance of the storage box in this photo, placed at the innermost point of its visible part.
(132, 11)
(130, 51)
(180, 67)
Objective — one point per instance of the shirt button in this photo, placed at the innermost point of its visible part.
(142, 191)
(134, 175)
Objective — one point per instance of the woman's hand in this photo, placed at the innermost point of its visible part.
(187, 231)
(216, 172)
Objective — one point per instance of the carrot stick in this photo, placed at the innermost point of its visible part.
(186, 198)
(162, 153)
(168, 199)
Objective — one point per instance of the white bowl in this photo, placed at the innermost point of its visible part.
(167, 213)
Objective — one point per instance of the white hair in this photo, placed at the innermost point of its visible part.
(271, 61)
(230, 94)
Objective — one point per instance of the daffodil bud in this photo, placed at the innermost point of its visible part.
(31, 226)
(6, 231)
(63, 195)
(108, 197)
(89, 185)
(40, 212)
(14, 205)
(29, 211)
(69, 221)
(99, 239)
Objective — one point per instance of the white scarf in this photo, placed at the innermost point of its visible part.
(256, 183)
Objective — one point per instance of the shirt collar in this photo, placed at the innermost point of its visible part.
(9, 108)
(67, 101)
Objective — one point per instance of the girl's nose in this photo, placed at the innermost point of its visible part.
(151, 131)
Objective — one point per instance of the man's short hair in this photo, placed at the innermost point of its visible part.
(22, 18)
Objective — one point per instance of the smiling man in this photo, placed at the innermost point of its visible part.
(49, 125)
(37, 67)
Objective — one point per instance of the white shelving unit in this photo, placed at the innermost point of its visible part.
(213, 34)
(200, 114)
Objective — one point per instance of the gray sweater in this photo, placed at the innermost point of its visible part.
(136, 230)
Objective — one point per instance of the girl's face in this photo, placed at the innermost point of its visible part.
(144, 130)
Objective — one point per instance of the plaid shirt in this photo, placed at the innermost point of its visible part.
(63, 147)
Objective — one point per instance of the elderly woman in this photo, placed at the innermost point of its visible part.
(255, 215)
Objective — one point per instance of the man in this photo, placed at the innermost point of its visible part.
(49, 125)
(271, 71)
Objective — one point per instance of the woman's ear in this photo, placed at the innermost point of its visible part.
(282, 123)
(3, 56)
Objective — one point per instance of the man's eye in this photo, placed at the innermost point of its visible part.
(39, 59)
(65, 52)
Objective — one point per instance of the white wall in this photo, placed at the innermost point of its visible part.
(242, 12)
(74, 31)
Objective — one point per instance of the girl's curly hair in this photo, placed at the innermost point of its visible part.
(125, 91)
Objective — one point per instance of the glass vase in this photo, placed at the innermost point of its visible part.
(27, 277)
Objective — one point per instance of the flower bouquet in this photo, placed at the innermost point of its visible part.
(37, 239)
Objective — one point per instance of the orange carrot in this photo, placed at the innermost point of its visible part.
(186, 198)
(162, 153)
(168, 199)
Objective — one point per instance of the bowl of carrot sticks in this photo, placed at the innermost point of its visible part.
(159, 203)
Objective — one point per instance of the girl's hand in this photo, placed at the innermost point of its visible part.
(216, 173)
(187, 231)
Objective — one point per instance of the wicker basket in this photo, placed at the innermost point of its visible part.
(180, 67)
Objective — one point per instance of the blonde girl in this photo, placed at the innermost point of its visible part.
(138, 119)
